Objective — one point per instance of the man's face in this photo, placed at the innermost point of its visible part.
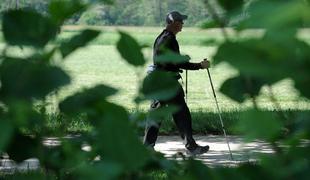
(178, 25)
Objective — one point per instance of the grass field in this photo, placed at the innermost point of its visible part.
(101, 63)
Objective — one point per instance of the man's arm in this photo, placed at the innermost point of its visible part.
(189, 66)
(171, 44)
(194, 66)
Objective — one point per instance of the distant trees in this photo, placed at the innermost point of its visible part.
(143, 12)
(39, 5)
(123, 12)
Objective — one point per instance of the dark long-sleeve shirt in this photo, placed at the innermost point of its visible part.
(167, 41)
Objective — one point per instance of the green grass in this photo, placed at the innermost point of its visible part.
(144, 35)
(100, 63)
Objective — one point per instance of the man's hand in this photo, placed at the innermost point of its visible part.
(205, 64)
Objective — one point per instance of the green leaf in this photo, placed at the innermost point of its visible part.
(160, 86)
(25, 79)
(60, 10)
(303, 86)
(253, 58)
(130, 50)
(5, 134)
(118, 142)
(22, 115)
(240, 87)
(23, 147)
(301, 75)
(278, 15)
(138, 118)
(43, 57)
(172, 57)
(86, 100)
(77, 41)
(302, 123)
(162, 112)
(195, 170)
(259, 125)
(230, 5)
(210, 24)
(98, 171)
(65, 157)
(21, 27)
(256, 57)
(252, 171)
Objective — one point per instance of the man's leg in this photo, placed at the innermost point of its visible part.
(152, 127)
(151, 134)
(183, 120)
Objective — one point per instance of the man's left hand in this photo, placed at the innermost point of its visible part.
(205, 64)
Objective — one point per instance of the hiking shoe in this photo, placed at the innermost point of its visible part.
(198, 150)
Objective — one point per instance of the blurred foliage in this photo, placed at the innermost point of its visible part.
(37, 30)
(155, 88)
(115, 151)
(130, 50)
(264, 61)
(77, 41)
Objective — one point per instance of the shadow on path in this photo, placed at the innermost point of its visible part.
(218, 155)
(172, 147)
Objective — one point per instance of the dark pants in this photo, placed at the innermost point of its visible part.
(182, 119)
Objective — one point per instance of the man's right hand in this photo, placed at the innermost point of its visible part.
(205, 64)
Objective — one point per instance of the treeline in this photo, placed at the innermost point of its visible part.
(123, 12)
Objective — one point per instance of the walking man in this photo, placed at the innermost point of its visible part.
(182, 118)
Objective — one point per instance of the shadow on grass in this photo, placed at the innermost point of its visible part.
(202, 123)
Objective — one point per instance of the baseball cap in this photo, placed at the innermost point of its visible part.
(175, 16)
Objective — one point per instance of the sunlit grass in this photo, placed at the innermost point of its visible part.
(100, 63)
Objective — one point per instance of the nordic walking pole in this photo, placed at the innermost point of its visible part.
(219, 113)
(186, 83)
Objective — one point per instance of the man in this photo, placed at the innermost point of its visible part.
(182, 118)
